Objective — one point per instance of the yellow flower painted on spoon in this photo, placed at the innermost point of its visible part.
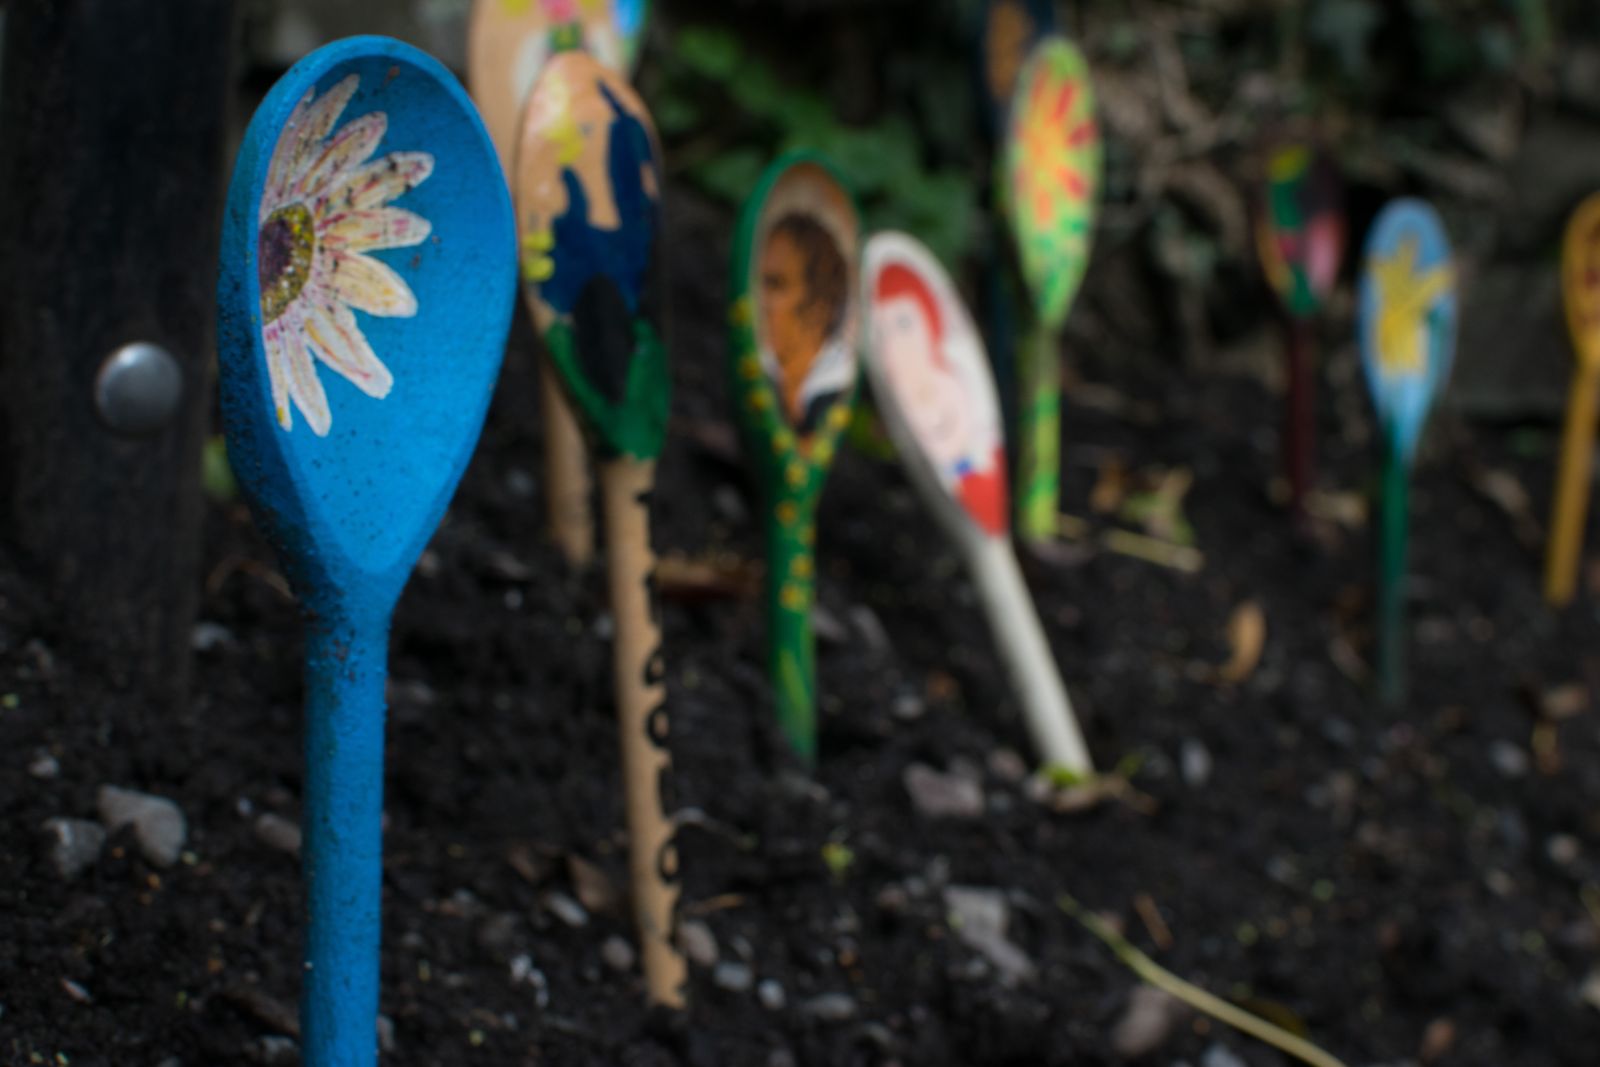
(324, 207)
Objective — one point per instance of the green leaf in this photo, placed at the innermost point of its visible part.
(730, 175)
(216, 473)
(709, 51)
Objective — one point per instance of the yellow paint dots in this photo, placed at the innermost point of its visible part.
(742, 313)
(795, 473)
(839, 416)
(800, 567)
(750, 368)
(793, 597)
(537, 266)
(787, 513)
(822, 452)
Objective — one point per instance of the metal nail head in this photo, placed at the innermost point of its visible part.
(138, 389)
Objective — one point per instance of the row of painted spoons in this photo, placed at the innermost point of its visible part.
(367, 281)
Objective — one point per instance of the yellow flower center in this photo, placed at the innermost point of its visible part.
(284, 251)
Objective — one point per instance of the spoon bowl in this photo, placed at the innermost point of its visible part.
(366, 285)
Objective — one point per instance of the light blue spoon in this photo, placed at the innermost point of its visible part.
(365, 292)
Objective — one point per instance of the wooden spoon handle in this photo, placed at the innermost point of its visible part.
(566, 471)
(1056, 737)
(626, 485)
(1572, 489)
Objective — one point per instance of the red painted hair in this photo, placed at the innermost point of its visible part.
(897, 279)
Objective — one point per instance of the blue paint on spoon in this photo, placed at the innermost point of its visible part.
(365, 292)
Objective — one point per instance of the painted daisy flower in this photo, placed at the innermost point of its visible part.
(324, 206)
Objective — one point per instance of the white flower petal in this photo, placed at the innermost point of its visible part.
(367, 285)
(331, 328)
(312, 119)
(277, 357)
(380, 181)
(304, 385)
(362, 231)
(347, 150)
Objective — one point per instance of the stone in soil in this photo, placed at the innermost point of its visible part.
(938, 795)
(979, 918)
(74, 845)
(1146, 1023)
(771, 995)
(734, 977)
(279, 833)
(698, 943)
(617, 954)
(158, 825)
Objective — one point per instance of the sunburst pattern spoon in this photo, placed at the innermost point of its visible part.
(793, 353)
(1050, 184)
(365, 291)
(588, 188)
(508, 44)
(933, 386)
(1408, 336)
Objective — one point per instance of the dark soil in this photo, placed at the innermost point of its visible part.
(1375, 876)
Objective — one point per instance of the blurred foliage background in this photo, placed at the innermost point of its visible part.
(1491, 108)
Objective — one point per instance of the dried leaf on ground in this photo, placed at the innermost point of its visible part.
(1247, 637)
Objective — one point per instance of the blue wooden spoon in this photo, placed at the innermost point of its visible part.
(365, 292)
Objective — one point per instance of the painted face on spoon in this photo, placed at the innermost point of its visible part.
(929, 393)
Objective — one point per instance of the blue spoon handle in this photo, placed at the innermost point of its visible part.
(347, 655)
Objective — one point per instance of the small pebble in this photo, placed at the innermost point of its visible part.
(734, 977)
(209, 635)
(523, 970)
(1146, 1023)
(275, 831)
(386, 1035)
(617, 954)
(1563, 849)
(698, 943)
(1220, 1056)
(870, 627)
(938, 795)
(1510, 760)
(1006, 765)
(76, 991)
(158, 825)
(908, 706)
(75, 845)
(565, 909)
(830, 1007)
(770, 994)
(979, 918)
(44, 766)
(1195, 760)
(275, 1048)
